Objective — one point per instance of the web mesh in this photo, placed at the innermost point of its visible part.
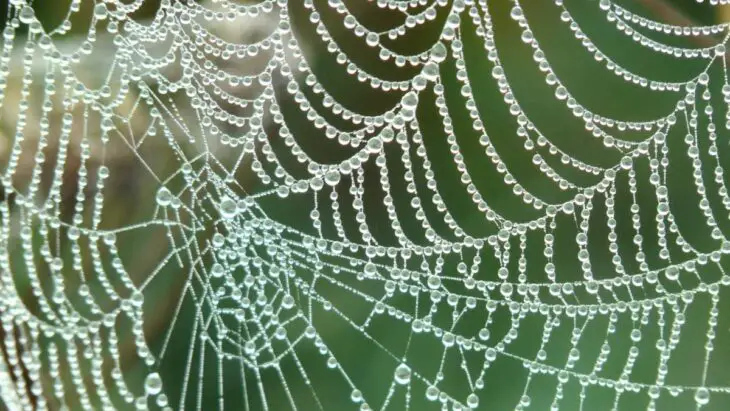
(363, 205)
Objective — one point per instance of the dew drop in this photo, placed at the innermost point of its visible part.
(472, 401)
(153, 384)
(374, 145)
(410, 100)
(27, 15)
(626, 162)
(432, 393)
(218, 240)
(431, 71)
(332, 177)
(228, 208)
(164, 197)
(402, 374)
(439, 52)
(672, 273)
(434, 282)
(702, 396)
(217, 270)
(100, 11)
(372, 39)
(316, 183)
(282, 191)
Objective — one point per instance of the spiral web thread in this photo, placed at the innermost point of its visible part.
(263, 289)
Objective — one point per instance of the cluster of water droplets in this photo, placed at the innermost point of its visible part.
(263, 290)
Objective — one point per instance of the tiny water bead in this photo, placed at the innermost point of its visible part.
(439, 52)
(431, 71)
(100, 11)
(432, 393)
(410, 101)
(332, 177)
(228, 208)
(153, 384)
(217, 270)
(27, 15)
(472, 401)
(164, 197)
(702, 396)
(402, 374)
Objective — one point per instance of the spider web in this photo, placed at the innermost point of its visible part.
(347, 220)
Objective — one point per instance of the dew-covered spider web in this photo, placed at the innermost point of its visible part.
(373, 205)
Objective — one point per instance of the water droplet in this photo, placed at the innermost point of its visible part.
(218, 240)
(431, 71)
(332, 177)
(561, 93)
(217, 270)
(287, 302)
(372, 39)
(316, 183)
(153, 384)
(626, 162)
(472, 401)
(484, 334)
(439, 52)
(434, 282)
(410, 100)
(228, 208)
(282, 191)
(164, 197)
(374, 145)
(402, 374)
(100, 11)
(432, 393)
(663, 209)
(27, 15)
(702, 396)
(672, 273)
